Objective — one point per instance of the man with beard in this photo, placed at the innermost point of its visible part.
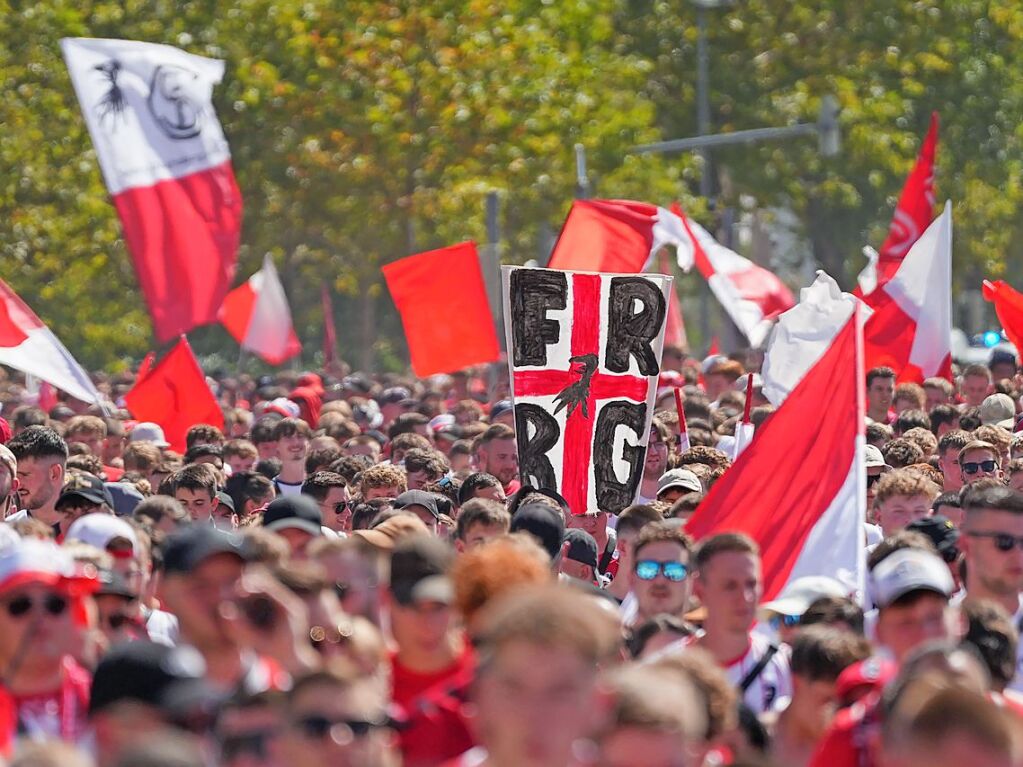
(41, 454)
(496, 454)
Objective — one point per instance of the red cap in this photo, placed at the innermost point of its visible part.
(872, 673)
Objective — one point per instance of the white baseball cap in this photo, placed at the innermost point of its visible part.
(147, 431)
(798, 595)
(100, 529)
(909, 570)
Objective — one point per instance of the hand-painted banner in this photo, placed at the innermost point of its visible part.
(584, 352)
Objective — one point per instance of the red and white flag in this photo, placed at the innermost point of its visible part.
(913, 215)
(799, 489)
(751, 295)
(168, 168)
(26, 344)
(1009, 307)
(257, 316)
(911, 328)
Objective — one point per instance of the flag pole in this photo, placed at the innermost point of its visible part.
(683, 430)
(749, 398)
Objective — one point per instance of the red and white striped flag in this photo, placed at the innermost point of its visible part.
(26, 344)
(167, 166)
(257, 316)
(798, 489)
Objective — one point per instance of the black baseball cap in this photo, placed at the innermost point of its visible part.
(82, 486)
(188, 548)
(941, 532)
(582, 547)
(294, 512)
(171, 679)
(418, 498)
(112, 583)
(419, 570)
(543, 523)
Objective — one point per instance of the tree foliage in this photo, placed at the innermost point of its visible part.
(362, 131)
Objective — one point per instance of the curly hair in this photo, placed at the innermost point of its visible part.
(383, 475)
(904, 482)
(709, 456)
(902, 452)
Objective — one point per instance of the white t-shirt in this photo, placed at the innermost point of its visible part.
(287, 488)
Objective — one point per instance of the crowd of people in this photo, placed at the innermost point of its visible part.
(352, 572)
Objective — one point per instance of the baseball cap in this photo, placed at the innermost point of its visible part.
(681, 478)
(389, 532)
(188, 548)
(147, 431)
(8, 459)
(34, 561)
(582, 547)
(798, 595)
(293, 512)
(167, 678)
(394, 395)
(543, 523)
(909, 570)
(1001, 357)
(419, 570)
(872, 674)
(418, 498)
(873, 458)
(125, 497)
(719, 363)
(995, 408)
(943, 534)
(112, 583)
(100, 529)
(499, 408)
(87, 487)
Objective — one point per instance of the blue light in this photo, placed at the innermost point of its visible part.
(992, 338)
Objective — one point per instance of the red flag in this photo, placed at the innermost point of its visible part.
(675, 326)
(797, 490)
(329, 332)
(174, 395)
(1009, 308)
(913, 215)
(168, 168)
(444, 309)
(257, 316)
(911, 327)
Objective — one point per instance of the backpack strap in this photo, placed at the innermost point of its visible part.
(758, 669)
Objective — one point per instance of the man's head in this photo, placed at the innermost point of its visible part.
(876, 468)
(911, 589)
(330, 491)
(481, 485)
(728, 581)
(594, 523)
(944, 418)
(950, 444)
(297, 519)
(656, 452)
(819, 655)
(382, 481)
(719, 375)
(497, 454)
(979, 460)
(423, 504)
(240, 455)
(41, 454)
(880, 390)
(675, 483)
(423, 467)
(292, 436)
(545, 524)
(992, 540)
(9, 482)
(195, 488)
(249, 491)
(902, 496)
(90, 430)
(908, 396)
(975, 384)
(479, 521)
(421, 594)
(630, 522)
(538, 653)
(660, 570)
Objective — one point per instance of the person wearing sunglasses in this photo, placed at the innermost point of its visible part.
(39, 635)
(992, 546)
(660, 571)
(979, 460)
(338, 718)
(330, 491)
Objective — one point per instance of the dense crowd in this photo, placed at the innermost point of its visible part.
(352, 572)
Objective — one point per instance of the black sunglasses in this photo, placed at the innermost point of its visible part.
(21, 606)
(247, 743)
(318, 726)
(342, 507)
(872, 479)
(972, 467)
(1003, 541)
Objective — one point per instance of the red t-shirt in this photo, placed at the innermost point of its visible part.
(61, 714)
(432, 704)
(847, 741)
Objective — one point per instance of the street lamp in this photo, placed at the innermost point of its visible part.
(703, 89)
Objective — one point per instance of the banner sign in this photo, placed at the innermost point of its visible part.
(584, 352)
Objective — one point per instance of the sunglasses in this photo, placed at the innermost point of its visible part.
(117, 621)
(318, 726)
(21, 606)
(342, 507)
(648, 569)
(243, 744)
(972, 467)
(873, 480)
(1003, 541)
(788, 621)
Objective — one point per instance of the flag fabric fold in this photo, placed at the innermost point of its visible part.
(913, 215)
(804, 333)
(751, 295)
(442, 300)
(911, 328)
(798, 488)
(167, 166)
(257, 316)
(175, 395)
(1009, 307)
(26, 344)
